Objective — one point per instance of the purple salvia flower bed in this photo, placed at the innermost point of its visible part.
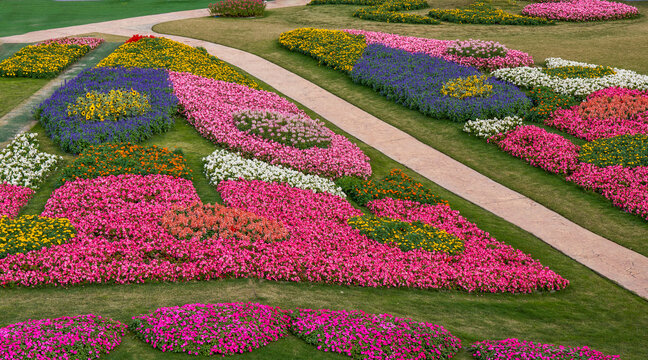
(415, 80)
(73, 134)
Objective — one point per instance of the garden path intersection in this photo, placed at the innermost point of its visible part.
(619, 264)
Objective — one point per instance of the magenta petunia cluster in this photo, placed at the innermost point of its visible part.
(369, 336)
(89, 41)
(581, 10)
(78, 337)
(13, 198)
(540, 148)
(212, 329)
(439, 49)
(605, 113)
(523, 349)
(209, 105)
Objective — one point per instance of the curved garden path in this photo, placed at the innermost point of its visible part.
(623, 266)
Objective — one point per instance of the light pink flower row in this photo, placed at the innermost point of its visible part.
(209, 329)
(126, 243)
(581, 10)
(209, 104)
(604, 114)
(370, 336)
(13, 198)
(438, 48)
(89, 41)
(78, 337)
(540, 148)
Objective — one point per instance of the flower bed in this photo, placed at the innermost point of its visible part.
(625, 150)
(206, 221)
(581, 10)
(210, 329)
(450, 50)
(13, 198)
(490, 127)
(396, 184)
(535, 77)
(80, 41)
(522, 349)
(23, 164)
(238, 8)
(483, 13)
(224, 165)
(368, 336)
(415, 80)
(406, 236)
(125, 158)
(388, 11)
(113, 105)
(333, 48)
(209, 105)
(545, 102)
(171, 55)
(297, 130)
(606, 113)
(43, 61)
(77, 337)
(540, 148)
(74, 133)
(626, 187)
(32, 232)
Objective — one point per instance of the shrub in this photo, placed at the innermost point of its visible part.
(295, 130)
(333, 48)
(77, 337)
(22, 163)
(167, 54)
(206, 221)
(396, 185)
(238, 8)
(368, 336)
(406, 236)
(480, 12)
(624, 150)
(32, 232)
(210, 329)
(73, 133)
(125, 158)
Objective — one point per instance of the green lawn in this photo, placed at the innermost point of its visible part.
(20, 16)
(617, 43)
(591, 311)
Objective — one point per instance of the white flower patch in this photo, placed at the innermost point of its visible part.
(534, 77)
(489, 127)
(224, 165)
(22, 164)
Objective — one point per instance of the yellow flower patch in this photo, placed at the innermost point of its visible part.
(41, 61)
(111, 106)
(407, 236)
(471, 86)
(172, 55)
(32, 232)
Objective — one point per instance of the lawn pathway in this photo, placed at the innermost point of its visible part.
(623, 266)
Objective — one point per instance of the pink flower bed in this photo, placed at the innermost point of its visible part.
(89, 41)
(210, 329)
(368, 336)
(540, 148)
(521, 349)
(438, 48)
(626, 187)
(605, 113)
(78, 337)
(209, 104)
(13, 198)
(581, 10)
